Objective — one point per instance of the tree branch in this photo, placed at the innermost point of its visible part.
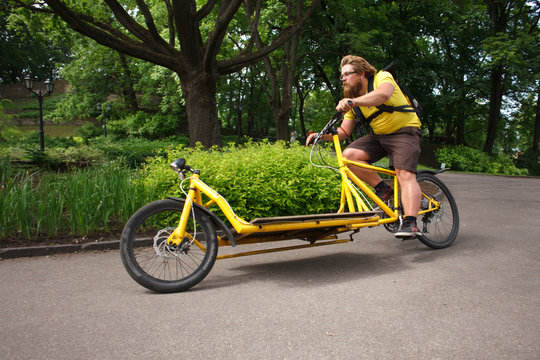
(188, 32)
(170, 22)
(227, 10)
(240, 61)
(205, 10)
(254, 25)
(106, 35)
(152, 30)
(32, 7)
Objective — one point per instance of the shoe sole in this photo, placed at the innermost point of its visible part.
(407, 235)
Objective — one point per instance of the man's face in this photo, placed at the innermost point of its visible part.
(352, 81)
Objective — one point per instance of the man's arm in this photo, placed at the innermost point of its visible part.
(375, 98)
(344, 131)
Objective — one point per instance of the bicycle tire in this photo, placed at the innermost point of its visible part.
(155, 265)
(439, 227)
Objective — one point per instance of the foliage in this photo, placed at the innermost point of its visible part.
(464, 158)
(530, 160)
(444, 50)
(92, 200)
(133, 151)
(35, 44)
(62, 151)
(8, 132)
(31, 108)
(89, 131)
(257, 179)
(144, 125)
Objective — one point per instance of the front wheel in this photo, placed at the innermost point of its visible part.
(160, 267)
(439, 227)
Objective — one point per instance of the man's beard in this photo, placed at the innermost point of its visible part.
(352, 91)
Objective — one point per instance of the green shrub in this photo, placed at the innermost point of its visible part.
(89, 131)
(92, 200)
(150, 126)
(10, 134)
(133, 151)
(464, 158)
(32, 140)
(530, 160)
(257, 179)
(82, 153)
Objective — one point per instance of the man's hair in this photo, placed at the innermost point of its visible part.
(359, 64)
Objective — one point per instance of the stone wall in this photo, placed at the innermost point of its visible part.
(19, 91)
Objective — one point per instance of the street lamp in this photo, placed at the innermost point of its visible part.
(106, 115)
(49, 87)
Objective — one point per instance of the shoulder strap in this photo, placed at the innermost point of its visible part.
(358, 113)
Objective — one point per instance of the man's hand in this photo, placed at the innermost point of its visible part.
(375, 98)
(310, 137)
(345, 105)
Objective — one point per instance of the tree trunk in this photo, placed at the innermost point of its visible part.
(495, 101)
(460, 113)
(201, 109)
(536, 136)
(127, 85)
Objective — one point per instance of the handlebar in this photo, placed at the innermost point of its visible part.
(326, 129)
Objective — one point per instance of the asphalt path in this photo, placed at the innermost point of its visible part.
(374, 298)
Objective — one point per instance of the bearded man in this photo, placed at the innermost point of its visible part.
(395, 134)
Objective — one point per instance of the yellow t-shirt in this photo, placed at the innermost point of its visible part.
(387, 123)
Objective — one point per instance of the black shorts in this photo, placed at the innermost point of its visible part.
(402, 147)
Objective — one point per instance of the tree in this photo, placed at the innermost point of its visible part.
(149, 30)
(512, 22)
(280, 69)
(26, 48)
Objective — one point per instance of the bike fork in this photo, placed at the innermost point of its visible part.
(178, 235)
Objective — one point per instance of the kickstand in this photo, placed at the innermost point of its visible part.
(354, 232)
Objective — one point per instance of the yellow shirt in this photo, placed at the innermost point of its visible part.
(387, 123)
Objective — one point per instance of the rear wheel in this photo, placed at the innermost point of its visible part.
(158, 266)
(439, 227)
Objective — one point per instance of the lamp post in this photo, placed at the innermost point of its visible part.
(106, 115)
(49, 86)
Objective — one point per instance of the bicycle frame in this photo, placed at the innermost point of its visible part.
(311, 227)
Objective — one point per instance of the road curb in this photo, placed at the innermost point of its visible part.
(30, 251)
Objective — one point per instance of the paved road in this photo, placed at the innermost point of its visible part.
(376, 298)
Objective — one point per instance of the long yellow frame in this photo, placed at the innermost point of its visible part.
(351, 201)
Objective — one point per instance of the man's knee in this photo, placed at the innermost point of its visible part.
(355, 155)
(405, 175)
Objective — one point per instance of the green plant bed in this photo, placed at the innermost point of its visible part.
(42, 205)
(257, 179)
(463, 158)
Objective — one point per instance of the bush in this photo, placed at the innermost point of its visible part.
(530, 160)
(95, 200)
(10, 134)
(89, 131)
(133, 151)
(464, 158)
(150, 126)
(256, 179)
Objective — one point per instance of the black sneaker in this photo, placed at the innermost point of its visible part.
(387, 196)
(408, 230)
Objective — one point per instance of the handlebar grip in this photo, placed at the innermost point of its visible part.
(350, 103)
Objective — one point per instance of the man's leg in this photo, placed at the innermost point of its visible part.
(358, 155)
(411, 196)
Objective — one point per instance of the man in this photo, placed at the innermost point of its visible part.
(395, 134)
